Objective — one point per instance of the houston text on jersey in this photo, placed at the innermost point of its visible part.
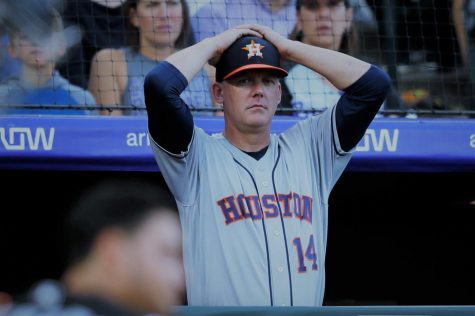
(236, 208)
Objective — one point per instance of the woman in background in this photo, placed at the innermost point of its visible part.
(157, 28)
(327, 24)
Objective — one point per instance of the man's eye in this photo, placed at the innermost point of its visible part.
(268, 81)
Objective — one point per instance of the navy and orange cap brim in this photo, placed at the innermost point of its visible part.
(281, 71)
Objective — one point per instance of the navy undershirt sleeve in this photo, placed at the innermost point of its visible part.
(359, 105)
(170, 122)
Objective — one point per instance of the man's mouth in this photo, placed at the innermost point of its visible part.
(257, 106)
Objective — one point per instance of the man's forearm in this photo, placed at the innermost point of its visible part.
(191, 60)
(340, 69)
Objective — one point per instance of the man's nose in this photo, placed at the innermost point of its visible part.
(258, 88)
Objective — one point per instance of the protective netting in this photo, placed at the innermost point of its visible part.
(91, 56)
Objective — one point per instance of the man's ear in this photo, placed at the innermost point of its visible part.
(108, 246)
(217, 89)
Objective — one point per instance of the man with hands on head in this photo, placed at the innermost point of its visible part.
(254, 205)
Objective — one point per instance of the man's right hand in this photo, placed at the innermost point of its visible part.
(225, 39)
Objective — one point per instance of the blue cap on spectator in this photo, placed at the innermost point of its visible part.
(246, 53)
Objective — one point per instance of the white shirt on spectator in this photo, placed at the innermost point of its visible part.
(310, 90)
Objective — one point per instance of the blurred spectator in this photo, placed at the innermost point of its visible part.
(423, 32)
(218, 16)
(125, 256)
(326, 24)
(157, 28)
(101, 24)
(420, 49)
(37, 41)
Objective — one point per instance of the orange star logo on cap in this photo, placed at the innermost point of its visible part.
(253, 49)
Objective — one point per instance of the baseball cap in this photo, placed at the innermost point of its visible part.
(249, 52)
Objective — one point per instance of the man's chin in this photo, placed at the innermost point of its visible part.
(259, 122)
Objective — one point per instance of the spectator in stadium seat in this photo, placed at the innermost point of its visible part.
(157, 28)
(216, 17)
(327, 24)
(125, 255)
(38, 50)
(101, 24)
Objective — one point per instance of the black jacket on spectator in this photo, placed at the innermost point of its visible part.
(101, 27)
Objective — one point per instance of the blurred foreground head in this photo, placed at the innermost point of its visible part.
(125, 247)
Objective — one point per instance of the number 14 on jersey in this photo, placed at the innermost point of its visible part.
(307, 257)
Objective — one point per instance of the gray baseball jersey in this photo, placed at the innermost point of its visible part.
(255, 231)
